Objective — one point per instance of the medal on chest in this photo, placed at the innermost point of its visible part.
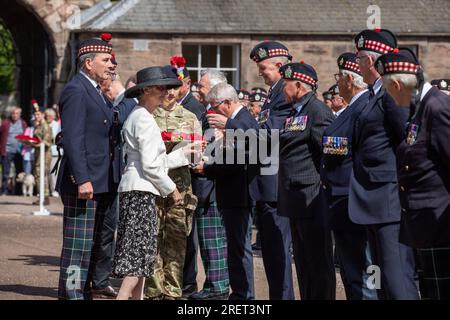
(335, 145)
(296, 123)
(263, 116)
(413, 131)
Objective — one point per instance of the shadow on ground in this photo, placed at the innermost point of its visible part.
(30, 290)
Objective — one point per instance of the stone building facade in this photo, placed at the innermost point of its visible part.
(213, 33)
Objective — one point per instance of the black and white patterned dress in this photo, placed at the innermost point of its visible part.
(136, 235)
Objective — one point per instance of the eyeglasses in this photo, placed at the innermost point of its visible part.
(218, 105)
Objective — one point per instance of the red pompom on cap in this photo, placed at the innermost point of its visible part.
(178, 61)
(377, 29)
(395, 50)
(302, 62)
(106, 37)
(33, 101)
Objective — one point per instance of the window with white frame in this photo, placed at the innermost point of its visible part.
(223, 57)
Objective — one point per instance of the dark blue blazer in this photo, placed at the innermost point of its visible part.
(378, 129)
(123, 109)
(193, 105)
(266, 187)
(424, 175)
(335, 170)
(233, 181)
(88, 142)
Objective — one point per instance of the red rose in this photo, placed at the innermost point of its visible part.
(33, 101)
(178, 61)
(211, 112)
(166, 136)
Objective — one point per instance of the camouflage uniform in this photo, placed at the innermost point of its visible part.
(174, 223)
(44, 133)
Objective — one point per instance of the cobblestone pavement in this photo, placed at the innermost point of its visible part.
(30, 248)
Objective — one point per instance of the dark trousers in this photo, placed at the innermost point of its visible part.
(354, 256)
(15, 157)
(190, 260)
(313, 255)
(82, 224)
(238, 223)
(395, 260)
(276, 240)
(105, 245)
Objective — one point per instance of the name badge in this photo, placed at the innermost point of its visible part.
(413, 131)
(335, 145)
(263, 116)
(296, 123)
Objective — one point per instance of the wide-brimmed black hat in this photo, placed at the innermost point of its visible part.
(154, 76)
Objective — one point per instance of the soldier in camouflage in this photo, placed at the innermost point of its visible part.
(175, 222)
(44, 133)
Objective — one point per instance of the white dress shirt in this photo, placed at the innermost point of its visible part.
(147, 161)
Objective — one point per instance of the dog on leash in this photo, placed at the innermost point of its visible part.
(28, 183)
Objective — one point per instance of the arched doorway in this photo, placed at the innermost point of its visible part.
(35, 55)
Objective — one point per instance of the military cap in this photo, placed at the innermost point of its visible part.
(347, 61)
(399, 61)
(326, 95)
(179, 63)
(442, 84)
(334, 90)
(258, 90)
(258, 97)
(243, 94)
(299, 71)
(96, 45)
(269, 49)
(378, 40)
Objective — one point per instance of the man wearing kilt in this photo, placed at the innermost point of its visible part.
(423, 170)
(86, 178)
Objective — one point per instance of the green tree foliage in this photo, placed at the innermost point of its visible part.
(7, 61)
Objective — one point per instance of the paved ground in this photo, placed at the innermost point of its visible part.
(30, 247)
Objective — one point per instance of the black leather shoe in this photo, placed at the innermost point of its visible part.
(189, 289)
(205, 295)
(108, 292)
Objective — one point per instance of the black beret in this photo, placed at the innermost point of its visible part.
(442, 84)
(347, 61)
(96, 45)
(299, 71)
(399, 61)
(269, 49)
(379, 41)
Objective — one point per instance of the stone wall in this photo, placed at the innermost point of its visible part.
(320, 52)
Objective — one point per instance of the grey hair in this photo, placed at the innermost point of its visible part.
(307, 86)
(357, 81)
(282, 59)
(375, 55)
(408, 80)
(222, 91)
(82, 59)
(50, 111)
(214, 76)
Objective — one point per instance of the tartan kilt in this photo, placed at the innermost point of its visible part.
(78, 240)
(434, 273)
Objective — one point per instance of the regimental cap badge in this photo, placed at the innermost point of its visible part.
(380, 67)
(241, 95)
(288, 72)
(262, 53)
(341, 62)
(361, 42)
(443, 84)
(257, 97)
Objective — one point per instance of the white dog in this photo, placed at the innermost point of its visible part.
(28, 183)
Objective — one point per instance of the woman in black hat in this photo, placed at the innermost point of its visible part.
(144, 179)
